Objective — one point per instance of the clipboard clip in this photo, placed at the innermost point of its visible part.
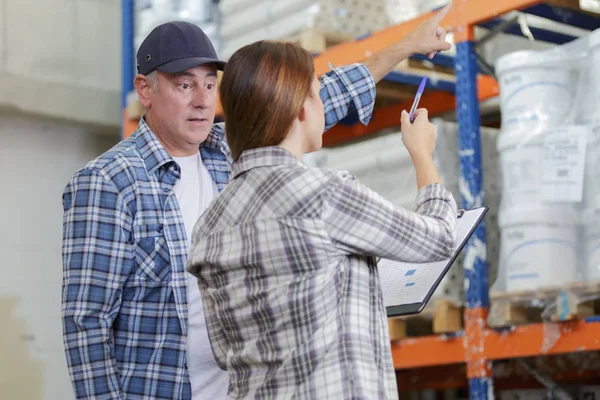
(460, 213)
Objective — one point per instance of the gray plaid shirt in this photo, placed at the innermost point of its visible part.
(284, 260)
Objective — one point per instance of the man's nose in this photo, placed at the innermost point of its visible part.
(201, 98)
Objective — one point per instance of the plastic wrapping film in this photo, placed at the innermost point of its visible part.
(151, 13)
(405, 10)
(549, 148)
(246, 21)
(447, 160)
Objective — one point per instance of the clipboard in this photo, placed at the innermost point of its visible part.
(407, 287)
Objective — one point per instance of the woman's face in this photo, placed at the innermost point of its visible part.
(315, 118)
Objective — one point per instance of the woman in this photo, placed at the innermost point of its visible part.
(285, 257)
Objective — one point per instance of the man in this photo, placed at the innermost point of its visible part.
(133, 318)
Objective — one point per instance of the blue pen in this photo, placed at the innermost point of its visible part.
(417, 99)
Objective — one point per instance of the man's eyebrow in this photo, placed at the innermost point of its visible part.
(185, 73)
(193, 75)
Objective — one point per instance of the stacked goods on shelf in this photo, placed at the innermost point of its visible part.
(550, 208)
(246, 21)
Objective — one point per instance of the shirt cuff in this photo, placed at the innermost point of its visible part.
(359, 83)
(434, 200)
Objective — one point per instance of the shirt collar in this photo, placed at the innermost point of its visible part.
(155, 155)
(264, 157)
(153, 152)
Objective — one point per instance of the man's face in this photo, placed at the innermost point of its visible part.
(182, 108)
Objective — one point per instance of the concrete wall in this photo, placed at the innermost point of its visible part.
(62, 58)
(37, 157)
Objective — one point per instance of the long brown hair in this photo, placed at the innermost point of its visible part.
(263, 89)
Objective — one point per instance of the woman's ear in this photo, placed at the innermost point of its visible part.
(302, 114)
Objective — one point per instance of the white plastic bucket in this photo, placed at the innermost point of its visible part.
(536, 90)
(591, 180)
(587, 87)
(594, 65)
(538, 247)
(591, 241)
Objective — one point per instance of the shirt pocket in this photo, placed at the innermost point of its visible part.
(152, 254)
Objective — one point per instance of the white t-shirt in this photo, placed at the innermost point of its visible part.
(195, 191)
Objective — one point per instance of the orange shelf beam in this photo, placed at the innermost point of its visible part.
(428, 351)
(524, 341)
(542, 339)
(389, 117)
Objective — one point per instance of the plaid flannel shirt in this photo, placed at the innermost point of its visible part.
(125, 250)
(286, 267)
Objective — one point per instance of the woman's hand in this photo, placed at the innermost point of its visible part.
(419, 139)
(418, 136)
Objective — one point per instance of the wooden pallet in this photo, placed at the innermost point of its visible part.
(315, 40)
(444, 316)
(426, 68)
(573, 301)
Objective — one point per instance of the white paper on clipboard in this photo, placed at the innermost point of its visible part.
(407, 287)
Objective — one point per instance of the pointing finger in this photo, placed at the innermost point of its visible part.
(439, 16)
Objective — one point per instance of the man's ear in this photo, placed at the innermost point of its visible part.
(144, 90)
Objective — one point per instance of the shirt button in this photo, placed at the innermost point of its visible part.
(165, 189)
(159, 229)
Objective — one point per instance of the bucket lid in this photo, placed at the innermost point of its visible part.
(531, 58)
(559, 214)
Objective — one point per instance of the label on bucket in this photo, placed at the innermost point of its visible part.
(563, 164)
(521, 175)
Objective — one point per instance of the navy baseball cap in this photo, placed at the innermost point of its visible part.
(175, 47)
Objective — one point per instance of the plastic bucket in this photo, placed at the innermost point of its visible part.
(591, 180)
(536, 90)
(594, 67)
(591, 243)
(538, 247)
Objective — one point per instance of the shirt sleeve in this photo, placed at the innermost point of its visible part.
(96, 260)
(360, 221)
(346, 89)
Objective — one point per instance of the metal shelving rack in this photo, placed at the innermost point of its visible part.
(478, 346)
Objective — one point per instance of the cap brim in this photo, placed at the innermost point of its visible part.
(181, 65)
